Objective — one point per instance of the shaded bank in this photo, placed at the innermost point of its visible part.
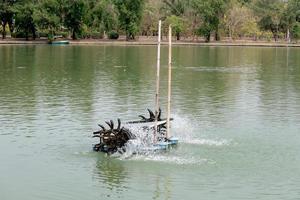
(153, 42)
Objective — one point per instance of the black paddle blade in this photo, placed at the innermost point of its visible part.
(152, 116)
(159, 114)
(103, 128)
(119, 124)
(112, 124)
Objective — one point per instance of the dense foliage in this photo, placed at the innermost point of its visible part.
(6, 15)
(211, 19)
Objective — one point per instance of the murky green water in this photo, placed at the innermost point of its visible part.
(236, 109)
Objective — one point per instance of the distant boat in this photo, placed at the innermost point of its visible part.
(59, 42)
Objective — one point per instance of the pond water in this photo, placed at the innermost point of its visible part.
(236, 110)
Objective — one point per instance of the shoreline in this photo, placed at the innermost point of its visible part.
(151, 43)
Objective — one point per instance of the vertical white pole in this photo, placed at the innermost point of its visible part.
(288, 36)
(169, 82)
(157, 79)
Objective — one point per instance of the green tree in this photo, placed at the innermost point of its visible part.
(177, 24)
(175, 7)
(104, 16)
(294, 9)
(24, 11)
(239, 18)
(250, 29)
(151, 16)
(130, 14)
(45, 16)
(211, 13)
(75, 11)
(270, 13)
(180, 14)
(291, 18)
(244, 2)
(296, 31)
(6, 15)
(62, 11)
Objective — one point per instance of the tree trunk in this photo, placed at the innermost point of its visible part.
(275, 36)
(230, 34)
(26, 35)
(217, 36)
(178, 36)
(129, 36)
(3, 30)
(11, 26)
(207, 38)
(33, 33)
(275, 33)
(73, 35)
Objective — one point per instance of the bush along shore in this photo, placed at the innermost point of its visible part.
(212, 20)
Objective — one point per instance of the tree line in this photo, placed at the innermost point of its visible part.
(211, 19)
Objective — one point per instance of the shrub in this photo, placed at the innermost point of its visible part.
(296, 31)
(42, 34)
(19, 35)
(92, 34)
(268, 35)
(113, 35)
(96, 35)
(281, 35)
(63, 34)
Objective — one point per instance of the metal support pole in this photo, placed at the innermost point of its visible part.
(157, 81)
(169, 82)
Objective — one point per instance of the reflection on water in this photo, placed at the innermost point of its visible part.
(236, 112)
(163, 188)
(118, 177)
(111, 172)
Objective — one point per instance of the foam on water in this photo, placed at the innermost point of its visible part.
(208, 142)
(168, 159)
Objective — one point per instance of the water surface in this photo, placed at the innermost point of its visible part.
(236, 110)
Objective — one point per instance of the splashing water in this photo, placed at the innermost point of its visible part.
(184, 129)
(188, 133)
(143, 140)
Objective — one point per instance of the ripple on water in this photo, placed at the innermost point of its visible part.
(120, 66)
(234, 69)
